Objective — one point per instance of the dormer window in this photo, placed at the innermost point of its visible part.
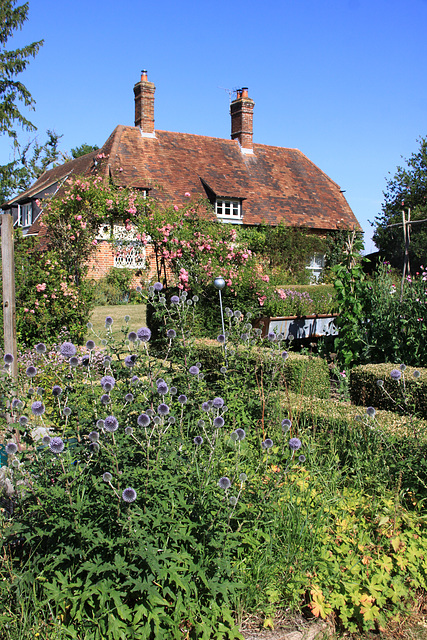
(26, 214)
(228, 210)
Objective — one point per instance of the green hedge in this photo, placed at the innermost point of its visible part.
(303, 374)
(387, 450)
(408, 395)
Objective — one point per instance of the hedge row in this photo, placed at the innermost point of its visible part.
(306, 375)
(385, 450)
(407, 395)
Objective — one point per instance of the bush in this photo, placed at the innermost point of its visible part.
(406, 395)
(114, 288)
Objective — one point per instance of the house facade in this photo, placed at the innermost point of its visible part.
(247, 183)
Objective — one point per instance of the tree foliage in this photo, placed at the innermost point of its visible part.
(31, 161)
(12, 63)
(83, 149)
(406, 190)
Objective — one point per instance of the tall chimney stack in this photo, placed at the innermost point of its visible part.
(241, 110)
(144, 105)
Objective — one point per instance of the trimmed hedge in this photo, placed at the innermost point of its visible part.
(306, 375)
(391, 397)
(388, 450)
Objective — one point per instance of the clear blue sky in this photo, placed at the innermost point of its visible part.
(344, 81)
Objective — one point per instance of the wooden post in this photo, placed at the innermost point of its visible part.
(8, 272)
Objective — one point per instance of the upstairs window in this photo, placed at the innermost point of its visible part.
(26, 214)
(230, 210)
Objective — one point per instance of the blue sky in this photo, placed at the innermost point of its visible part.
(344, 81)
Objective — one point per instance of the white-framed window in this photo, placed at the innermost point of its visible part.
(26, 214)
(130, 255)
(228, 209)
(316, 265)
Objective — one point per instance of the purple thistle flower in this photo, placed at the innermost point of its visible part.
(8, 358)
(218, 403)
(107, 383)
(74, 361)
(129, 397)
(31, 371)
(294, 444)
(243, 477)
(38, 408)
(107, 477)
(143, 420)
(129, 495)
(416, 374)
(267, 444)
(40, 347)
(402, 367)
(144, 334)
(100, 424)
(175, 300)
(171, 333)
(206, 406)
(150, 412)
(105, 398)
(301, 458)
(198, 440)
(237, 314)
(46, 440)
(16, 403)
(90, 345)
(11, 448)
(286, 425)
(380, 383)
(218, 422)
(194, 370)
(224, 483)
(56, 445)
(157, 286)
(241, 433)
(66, 411)
(395, 374)
(128, 431)
(68, 350)
(163, 409)
(23, 420)
(271, 336)
(111, 424)
(93, 436)
(285, 355)
(162, 388)
(234, 437)
(108, 321)
(130, 361)
(135, 380)
(370, 412)
(221, 338)
(182, 398)
(132, 336)
(173, 391)
(201, 423)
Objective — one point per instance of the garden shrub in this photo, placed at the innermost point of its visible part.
(407, 395)
(300, 300)
(114, 288)
(302, 374)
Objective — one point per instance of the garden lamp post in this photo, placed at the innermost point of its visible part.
(219, 283)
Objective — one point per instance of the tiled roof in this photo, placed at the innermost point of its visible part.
(274, 183)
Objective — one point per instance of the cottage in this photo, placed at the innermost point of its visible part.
(247, 183)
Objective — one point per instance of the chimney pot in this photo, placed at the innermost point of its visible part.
(144, 75)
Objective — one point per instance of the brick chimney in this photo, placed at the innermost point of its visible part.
(144, 105)
(241, 110)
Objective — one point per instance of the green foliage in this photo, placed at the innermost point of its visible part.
(350, 295)
(12, 63)
(300, 300)
(406, 190)
(114, 288)
(178, 524)
(83, 149)
(48, 302)
(32, 161)
(407, 395)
